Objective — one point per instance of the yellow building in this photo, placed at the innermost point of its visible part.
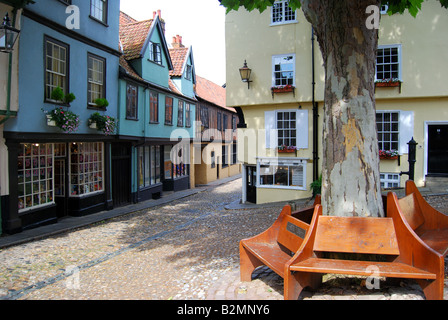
(283, 102)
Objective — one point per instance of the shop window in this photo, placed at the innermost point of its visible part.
(86, 168)
(149, 166)
(287, 174)
(35, 176)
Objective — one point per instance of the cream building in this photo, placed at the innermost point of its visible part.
(279, 49)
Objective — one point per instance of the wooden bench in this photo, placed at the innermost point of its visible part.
(275, 246)
(428, 223)
(403, 253)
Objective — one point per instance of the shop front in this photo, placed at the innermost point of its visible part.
(53, 179)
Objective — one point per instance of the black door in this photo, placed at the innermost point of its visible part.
(438, 150)
(251, 189)
(121, 174)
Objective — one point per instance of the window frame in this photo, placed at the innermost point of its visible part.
(272, 163)
(275, 72)
(104, 11)
(153, 107)
(390, 182)
(291, 130)
(284, 7)
(155, 53)
(66, 76)
(169, 110)
(399, 62)
(91, 104)
(381, 131)
(135, 108)
(180, 113)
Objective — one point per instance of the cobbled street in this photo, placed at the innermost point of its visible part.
(175, 251)
(187, 249)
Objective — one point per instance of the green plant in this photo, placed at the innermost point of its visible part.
(101, 102)
(58, 95)
(106, 124)
(316, 186)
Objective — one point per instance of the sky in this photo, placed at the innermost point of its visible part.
(201, 23)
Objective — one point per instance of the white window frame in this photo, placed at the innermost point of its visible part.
(284, 7)
(275, 58)
(282, 162)
(302, 126)
(400, 62)
(390, 131)
(405, 128)
(388, 179)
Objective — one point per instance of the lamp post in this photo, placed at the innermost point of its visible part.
(8, 35)
(245, 72)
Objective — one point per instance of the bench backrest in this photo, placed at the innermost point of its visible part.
(356, 235)
(292, 232)
(411, 210)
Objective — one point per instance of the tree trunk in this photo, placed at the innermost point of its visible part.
(350, 177)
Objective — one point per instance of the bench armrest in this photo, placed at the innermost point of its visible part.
(413, 250)
(434, 219)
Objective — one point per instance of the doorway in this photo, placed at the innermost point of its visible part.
(121, 174)
(251, 185)
(438, 150)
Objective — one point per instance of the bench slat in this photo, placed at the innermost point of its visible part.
(271, 255)
(356, 235)
(361, 268)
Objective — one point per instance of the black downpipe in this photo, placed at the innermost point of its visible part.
(315, 116)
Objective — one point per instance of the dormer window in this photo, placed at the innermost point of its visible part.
(188, 72)
(155, 53)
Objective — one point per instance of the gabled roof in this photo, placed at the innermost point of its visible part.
(135, 37)
(211, 92)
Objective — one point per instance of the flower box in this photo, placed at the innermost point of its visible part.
(388, 83)
(388, 157)
(50, 123)
(283, 89)
(286, 151)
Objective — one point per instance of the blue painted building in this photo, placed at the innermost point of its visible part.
(67, 49)
(156, 112)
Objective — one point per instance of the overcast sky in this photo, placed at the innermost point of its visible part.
(201, 23)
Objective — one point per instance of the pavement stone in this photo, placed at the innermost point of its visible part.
(183, 247)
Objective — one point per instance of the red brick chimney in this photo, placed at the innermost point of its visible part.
(177, 42)
(162, 22)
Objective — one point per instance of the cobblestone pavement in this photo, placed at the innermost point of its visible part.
(184, 250)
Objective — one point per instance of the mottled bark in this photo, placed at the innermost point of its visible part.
(350, 177)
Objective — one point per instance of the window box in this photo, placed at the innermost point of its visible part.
(286, 149)
(388, 154)
(282, 89)
(388, 83)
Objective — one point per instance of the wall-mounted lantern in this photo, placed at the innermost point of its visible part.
(8, 35)
(245, 72)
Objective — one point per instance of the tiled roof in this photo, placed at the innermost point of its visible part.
(129, 70)
(133, 36)
(211, 92)
(178, 56)
(126, 19)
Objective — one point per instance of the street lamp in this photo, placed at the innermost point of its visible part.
(8, 35)
(245, 72)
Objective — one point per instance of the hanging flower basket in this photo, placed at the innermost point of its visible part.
(286, 149)
(65, 120)
(388, 154)
(106, 124)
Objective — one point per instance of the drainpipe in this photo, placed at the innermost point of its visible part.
(315, 115)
